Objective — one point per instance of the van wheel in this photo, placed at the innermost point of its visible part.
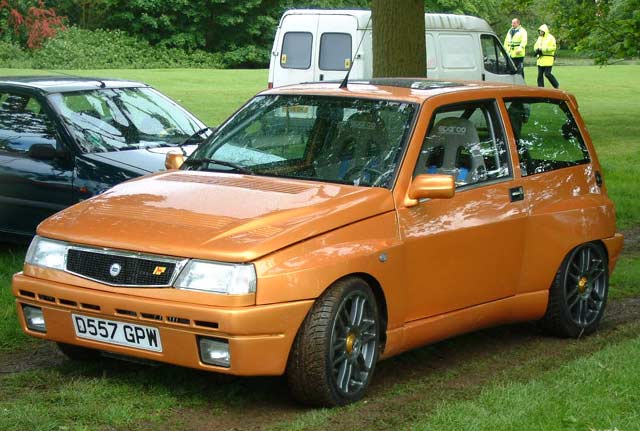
(77, 353)
(335, 351)
(578, 296)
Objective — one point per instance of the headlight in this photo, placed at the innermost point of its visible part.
(47, 253)
(230, 279)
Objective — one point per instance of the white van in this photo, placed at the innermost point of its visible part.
(318, 45)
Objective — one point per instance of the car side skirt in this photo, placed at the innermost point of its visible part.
(518, 308)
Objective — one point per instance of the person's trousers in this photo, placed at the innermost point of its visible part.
(519, 63)
(546, 71)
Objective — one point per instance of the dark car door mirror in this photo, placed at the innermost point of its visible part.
(42, 152)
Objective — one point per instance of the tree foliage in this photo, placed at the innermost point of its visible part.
(604, 29)
(241, 32)
(32, 22)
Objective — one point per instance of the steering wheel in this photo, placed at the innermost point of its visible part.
(358, 172)
(382, 178)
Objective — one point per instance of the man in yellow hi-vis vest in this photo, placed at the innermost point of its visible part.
(545, 49)
(516, 43)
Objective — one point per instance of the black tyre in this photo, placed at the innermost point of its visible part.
(335, 351)
(77, 353)
(578, 296)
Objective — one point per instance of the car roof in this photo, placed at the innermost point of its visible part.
(60, 84)
(415, 90)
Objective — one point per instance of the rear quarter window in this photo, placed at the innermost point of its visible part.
(296, 50)
(547, 136)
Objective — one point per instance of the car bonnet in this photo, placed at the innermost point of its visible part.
(224, 217)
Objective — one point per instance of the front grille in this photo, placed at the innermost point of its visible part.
(120, 270)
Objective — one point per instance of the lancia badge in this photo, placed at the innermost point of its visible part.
(115, 269)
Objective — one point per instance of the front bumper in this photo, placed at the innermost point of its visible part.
(260, 337)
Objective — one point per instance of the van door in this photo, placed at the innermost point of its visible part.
(458, 55)
(336, 46)
(497, 64)
(293, 54)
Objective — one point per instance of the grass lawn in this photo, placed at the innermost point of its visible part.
(573, 385)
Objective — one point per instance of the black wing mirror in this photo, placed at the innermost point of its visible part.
(43, 152)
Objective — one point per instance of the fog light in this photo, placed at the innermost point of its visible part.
(34, 318)
(214, 351)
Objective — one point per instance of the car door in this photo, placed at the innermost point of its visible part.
(36, 174)
(467, 250)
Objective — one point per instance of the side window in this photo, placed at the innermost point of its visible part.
(547, 136)
(335, 51)
(495, 57)
(296, 50)
(23, 123)
(467, 142)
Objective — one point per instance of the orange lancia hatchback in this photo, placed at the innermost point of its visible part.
(323, 228)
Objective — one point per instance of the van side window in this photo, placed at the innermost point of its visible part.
(465, 141)
(458, 51)
(547, 136)
(296, 50)
(495, 57)
(335, 51)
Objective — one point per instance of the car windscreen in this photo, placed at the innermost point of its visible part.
(124, 118)
(335, 139)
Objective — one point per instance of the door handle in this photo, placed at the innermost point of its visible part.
(598, 176)
(321, 77)
(516, 194)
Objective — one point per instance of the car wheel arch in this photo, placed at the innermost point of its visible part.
(378, 293)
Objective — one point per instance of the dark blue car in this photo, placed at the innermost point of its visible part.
(66, 139)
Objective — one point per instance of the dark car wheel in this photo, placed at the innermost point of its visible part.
(578, 296)
(335, 351)
(77, 353)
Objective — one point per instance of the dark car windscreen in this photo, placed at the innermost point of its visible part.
(334, 139)
(123, 118)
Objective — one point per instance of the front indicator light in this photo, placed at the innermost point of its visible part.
(214, 351)
(34, 318)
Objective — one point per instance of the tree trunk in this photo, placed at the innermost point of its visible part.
(398, 38)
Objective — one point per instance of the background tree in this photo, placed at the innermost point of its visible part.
(29, 23)
(399, 47)
(606, 30)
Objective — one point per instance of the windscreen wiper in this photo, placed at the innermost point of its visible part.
(193, 135)
(235, 167)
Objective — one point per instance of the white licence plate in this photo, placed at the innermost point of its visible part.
(120, 333)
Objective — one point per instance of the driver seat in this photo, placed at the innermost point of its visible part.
(361, 142)
(453, 148)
